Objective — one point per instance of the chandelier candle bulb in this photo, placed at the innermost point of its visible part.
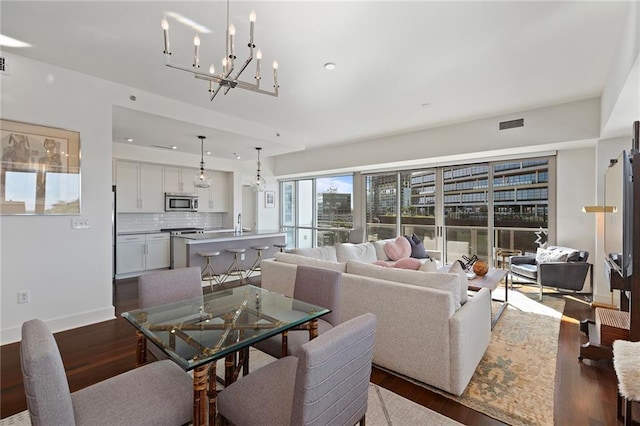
(275, 74)
(252, 21)
(196, 54)
(165, 30)
(232, 33)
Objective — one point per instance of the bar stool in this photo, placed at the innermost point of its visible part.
(281, 246)
(234, 268)
(255, 267)
(208, 273)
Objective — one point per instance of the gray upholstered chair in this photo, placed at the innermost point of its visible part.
(168, 286)
(568, 274)
(318, 286)
(325, 382)
(160, 393)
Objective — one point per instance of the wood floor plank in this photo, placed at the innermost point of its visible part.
(585, 392)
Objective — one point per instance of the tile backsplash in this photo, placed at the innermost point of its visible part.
(127, 222)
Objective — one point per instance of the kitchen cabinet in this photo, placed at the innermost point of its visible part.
(142, 252)
(140, 187)
(216, 197)
(178, 180)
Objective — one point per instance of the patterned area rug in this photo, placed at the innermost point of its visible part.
(515, 381)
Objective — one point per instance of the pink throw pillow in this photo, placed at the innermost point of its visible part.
(408, 263)
(383, 263)
(397, 249)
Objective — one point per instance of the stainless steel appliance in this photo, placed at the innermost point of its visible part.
(179, 231)
(180, 202)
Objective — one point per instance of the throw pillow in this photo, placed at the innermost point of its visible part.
(417, 248)
(548, 256)
(456, 268)
(428, 266)
(398, 248)
(408, 263)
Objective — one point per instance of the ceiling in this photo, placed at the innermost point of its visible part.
(400, 66)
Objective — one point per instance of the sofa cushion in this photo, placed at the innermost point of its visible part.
(322, 253)
(573, 255)
(456, 268)
(398, 248)
(296, 259)
(525, 269)
(364, 252)
(555, 254)
(423, 279)
(417, 248)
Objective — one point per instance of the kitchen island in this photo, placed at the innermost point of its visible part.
(185, 248)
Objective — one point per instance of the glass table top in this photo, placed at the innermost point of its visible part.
(196, 331)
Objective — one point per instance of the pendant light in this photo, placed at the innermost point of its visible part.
(259, 183)
(201, 178)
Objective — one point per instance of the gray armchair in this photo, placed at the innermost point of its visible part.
(156, 394)
(562, 268)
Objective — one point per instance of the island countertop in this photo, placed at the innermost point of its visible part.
(216, 237)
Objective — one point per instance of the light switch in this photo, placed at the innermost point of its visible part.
(80, 223)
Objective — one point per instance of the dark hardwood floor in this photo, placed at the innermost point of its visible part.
(585, 392)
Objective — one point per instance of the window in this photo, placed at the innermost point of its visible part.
(318, 211)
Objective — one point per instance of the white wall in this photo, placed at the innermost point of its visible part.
(68, 272)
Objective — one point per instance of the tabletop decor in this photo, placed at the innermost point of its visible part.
(40, 170)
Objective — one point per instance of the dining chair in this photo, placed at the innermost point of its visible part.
(318, 286)
(324, 383)
(160, 393)
(172, 285)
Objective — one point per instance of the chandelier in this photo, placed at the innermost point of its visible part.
(225, 79)
(259, 183)
(202, 179)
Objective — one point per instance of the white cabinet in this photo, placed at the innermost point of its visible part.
(130, 253)
(158, 253)
(178, 180)
(139, 187)
(142, 252)
(216, 197)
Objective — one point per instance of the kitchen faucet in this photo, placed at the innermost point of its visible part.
(239, 231)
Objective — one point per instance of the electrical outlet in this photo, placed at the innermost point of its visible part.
(242, 256)
(80, 223)
(24, 296)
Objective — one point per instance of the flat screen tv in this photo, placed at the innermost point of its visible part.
(618, 225)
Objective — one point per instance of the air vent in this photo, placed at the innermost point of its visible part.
(171, 148)
(511, 124)
(4, 65)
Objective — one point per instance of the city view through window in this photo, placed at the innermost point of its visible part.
(455, 209)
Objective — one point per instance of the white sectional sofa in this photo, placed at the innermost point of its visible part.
(428, 329)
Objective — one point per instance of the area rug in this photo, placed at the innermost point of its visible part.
(515, 380)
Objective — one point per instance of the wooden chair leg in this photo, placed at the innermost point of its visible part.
(628, 419)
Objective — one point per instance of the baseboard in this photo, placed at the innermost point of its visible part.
(14, 334)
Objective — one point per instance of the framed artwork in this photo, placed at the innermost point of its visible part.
(269, 199)
(39, 171)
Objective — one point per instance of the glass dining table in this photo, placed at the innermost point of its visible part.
(195, 333)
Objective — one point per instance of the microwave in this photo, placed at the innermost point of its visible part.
(180, 203)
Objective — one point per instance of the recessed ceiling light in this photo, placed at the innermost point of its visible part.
(129, 139)
(235, 154)
(329, 66)
(208, 152)
(174, 147)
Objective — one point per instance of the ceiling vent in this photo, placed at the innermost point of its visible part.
(511, 124)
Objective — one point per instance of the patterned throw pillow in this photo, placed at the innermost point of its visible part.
(549, 256)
